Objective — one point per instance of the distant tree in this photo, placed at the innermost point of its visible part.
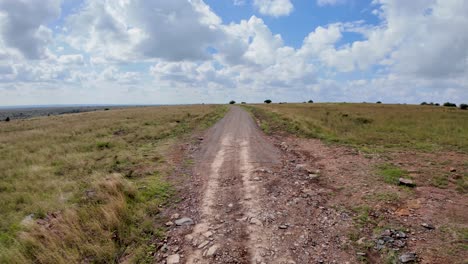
(7, 119)
(267, 101)
(310, 102)
(232, 102)
(464, 106)
(378, 102)
(243, 103)
(437, 104)
(423, 103)
(448, 104)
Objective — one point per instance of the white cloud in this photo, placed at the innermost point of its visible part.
(330, 2)
(127, 30)
(23, 26)
(179, 51)
(275, 8)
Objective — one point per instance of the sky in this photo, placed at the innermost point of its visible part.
(214, 51)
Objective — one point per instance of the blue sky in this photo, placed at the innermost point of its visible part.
(212, 51)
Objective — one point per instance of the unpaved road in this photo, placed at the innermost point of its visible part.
(233, 152)
(279, 199)
(257, 204)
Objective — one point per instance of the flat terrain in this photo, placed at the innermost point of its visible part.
(29, 112)
(320, 184)
(287, 199)
(89, 186)
(371, 127)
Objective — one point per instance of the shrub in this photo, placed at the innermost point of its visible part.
(437, 104)
(448, 104)
(310, 102)
(424, 103)
(232, 102)
(7, 119)
(464, 106)
(267, 101)
(243, 103)
(378, 102)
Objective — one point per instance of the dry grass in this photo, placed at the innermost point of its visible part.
(93, 183)
(370, 127)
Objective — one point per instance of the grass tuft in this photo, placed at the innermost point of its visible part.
(391, 173)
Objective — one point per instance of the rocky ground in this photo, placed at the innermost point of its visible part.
(249, 198)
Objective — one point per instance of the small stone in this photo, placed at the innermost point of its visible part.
(230, 205)
(188, 238)
(361, 254)
(400, 234)
(164, 248)
(212, 250)
(173, 259)
(169, 223)
(361, 241)
(385, 233)
(255, 221)
(203, 244)
(313, 176)
(200, 138)
(428, 226)
(453, 169)
(175, 216)
(407, 258)
(184, 221)
(283, 227)
(406, 182)
(399, 243)
(208, 234)
(402, 212)
(27, 220)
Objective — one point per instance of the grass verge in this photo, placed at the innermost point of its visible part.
(370, 127)
(89, 187)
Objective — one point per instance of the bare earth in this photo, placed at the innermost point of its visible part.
(258, 199)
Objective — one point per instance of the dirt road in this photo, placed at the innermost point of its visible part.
(252, 198)
(248, 207)
(231, 156)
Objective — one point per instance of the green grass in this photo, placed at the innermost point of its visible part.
(362, 217)
(96, 180)
(440, 181)
(370, 127)
(384, 197)
(391, 173)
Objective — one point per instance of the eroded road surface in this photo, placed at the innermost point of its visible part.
(254, 202)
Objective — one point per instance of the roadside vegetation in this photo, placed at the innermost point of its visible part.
(370, 127)
(408, 153)
(89, 187)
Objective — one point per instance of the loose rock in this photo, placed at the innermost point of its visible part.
(255, 221)
(175, 216)
(406, 182)
(173, 259)
(428, 226)
(408, 257)
(212, 250)
(184, 221)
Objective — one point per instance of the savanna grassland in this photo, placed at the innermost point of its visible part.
(88, 187)
(371, 127)
(363, 150)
